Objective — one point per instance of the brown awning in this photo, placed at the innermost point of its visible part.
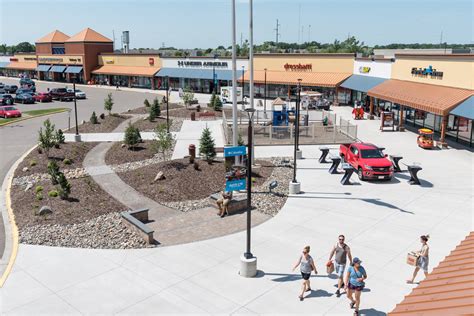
(126, 70)
(316, 79)
(21, 65)
(448, 289)
(426, 97)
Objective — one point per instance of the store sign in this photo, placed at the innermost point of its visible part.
(50, 60)
(13, 59)
(30, 58)
(236, 171)
(108, 62)
(207, 64)
(427, 72)
(364, 70)
(298, 67)
(151, 61)
(74, 60)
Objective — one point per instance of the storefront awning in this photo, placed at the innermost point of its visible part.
(361, 83)
(73, 69)
(465, 109)
(21, 65)
(421, 96)
(58, 68)
(126, 70)
(194, 73)
(316, 79)
(3, 64)
(43, 67)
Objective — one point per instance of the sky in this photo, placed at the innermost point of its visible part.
(207, 23)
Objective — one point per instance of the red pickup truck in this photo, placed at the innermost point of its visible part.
(369, 161)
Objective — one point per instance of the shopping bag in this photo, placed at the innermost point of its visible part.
(329, 267)
(411, 258)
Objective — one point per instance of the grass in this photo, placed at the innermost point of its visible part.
(31, 114)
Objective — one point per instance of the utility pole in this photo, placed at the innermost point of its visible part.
(234, 81)
(277, 32)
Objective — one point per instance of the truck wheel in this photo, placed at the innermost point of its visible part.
(360, 173)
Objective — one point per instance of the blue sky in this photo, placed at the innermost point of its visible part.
(207, 23)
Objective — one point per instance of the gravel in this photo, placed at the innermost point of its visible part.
(106, 232)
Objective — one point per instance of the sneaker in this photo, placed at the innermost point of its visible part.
(338, 293)
(352, 304)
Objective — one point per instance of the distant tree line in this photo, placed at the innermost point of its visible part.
(23, 47)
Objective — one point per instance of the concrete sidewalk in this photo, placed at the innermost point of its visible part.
(191, 132)
(108, 137)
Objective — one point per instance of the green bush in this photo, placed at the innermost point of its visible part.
(53, 193)
(67, 161)
(132, 136)
(108, 103)
(64, 186)
(53, 171)
(39, 196)
(207, 147)
(93, 119)
(217, 104)
(155, 110)
(38, 189)
(60, 139)
(146, 103)
(33, 162)
(46, 138)
(212, 101)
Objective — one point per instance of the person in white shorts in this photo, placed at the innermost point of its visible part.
(341, 251)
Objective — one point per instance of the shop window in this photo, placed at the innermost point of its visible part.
(59, 51)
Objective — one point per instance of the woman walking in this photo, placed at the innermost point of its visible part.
(306, 264)
(354, 283)
(423, 258)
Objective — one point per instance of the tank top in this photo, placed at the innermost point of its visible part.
(306, 266)
(341, 254)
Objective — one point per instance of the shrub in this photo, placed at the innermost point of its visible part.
(240, 141)
(108, 103)
(163, 141)
(155, 110)
(207, 145)
(188, 96)
(217, 104)
(212, 101)
(146, 103)
(102, 116)
(93, 118)
(46, 137)
(64, 186)
(33, 162)
(53, 193)
(39, 150)
(39, 196)
(132, 136)
(53, 171)
(38, 189)
(196, 165)
(67, 161)
(60, 139)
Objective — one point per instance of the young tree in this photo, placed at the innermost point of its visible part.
(155, 110)
(59, 136)
(53, 171)
(240, 140)
(132, 136)
(163, 141)
(108, 103)
(207, 147)
(64, 186)
(218, 104)
(146, 103)
(187, 97)
(47, 138)
(212, 101)
(93, 119)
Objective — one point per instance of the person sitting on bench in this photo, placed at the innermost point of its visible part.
(223, 203)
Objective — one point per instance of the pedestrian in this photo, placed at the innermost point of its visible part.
(117, 85)
(306, 264)
(223, 203)
(354, 283)
(422, 259)
(341, 251)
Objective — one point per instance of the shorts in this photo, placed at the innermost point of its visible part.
(422, 263)
(305, 275)
(340, 269)
(355, 287)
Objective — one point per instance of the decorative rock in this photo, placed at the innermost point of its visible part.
(44, 210)
(123, 145)
(25, 169)
(28, 186)
(159, 176)
(83, 122)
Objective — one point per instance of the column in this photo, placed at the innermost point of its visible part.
(129, 81)
(336, 98)
(371, 108)
(153, 83)
(444, 123)
(401, 119)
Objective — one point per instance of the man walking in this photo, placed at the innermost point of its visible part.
(341, 251)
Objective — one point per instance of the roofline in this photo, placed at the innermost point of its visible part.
(430, 84)
(89, 42)
(308, 54)
(376, 59)
(401, 55)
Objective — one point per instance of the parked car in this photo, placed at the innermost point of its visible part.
(368, 159)
(9, 111)
(79, 94)
(2, 85)
(42, 97)
(24, 98)
(10, 88)
(26, 82)
(6, 99)
(61, 94)
(25, 90)
(3, 91)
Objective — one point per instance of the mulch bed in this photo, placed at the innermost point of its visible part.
(183, 182)
(145, 110)
(87, 200)
(108, 124)
(146, 126)
(75, 152)
(117, 155)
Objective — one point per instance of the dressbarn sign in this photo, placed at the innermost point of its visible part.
(298, 67)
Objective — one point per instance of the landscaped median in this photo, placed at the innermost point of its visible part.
(31, 114)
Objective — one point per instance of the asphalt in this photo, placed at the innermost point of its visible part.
(17, 138)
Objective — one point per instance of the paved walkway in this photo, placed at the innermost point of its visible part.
(108, 137)
(382, 222)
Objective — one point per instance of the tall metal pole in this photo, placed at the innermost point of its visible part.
(297, 126)
(251, 85)
(248, 254)
(298, 101)
(234, 81)
(243, 87)
(75, 107)
(265, 95)
(167, 105)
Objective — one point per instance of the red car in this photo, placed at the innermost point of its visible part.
(42, 97)
(9, 112)
(368, 159)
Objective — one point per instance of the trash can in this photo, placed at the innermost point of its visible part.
(192, 151)
(193, 116)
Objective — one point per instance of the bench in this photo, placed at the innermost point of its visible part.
(348, 171)
(219, 150)
(134, 219)
(395, 162)
(414, 169)
(324, 152)
(237, 204)
(336, 160)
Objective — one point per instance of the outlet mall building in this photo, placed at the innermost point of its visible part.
(430, 90)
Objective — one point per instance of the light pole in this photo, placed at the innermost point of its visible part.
(234, 81)
(265, 95)
(298, 101)
(295, 186)
(77, 137)
(167, 104)
(214, 77)
(243, 87)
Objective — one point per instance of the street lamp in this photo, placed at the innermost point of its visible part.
(243, 87)
(214, 77)
(250, 113)
(77, 137)
(298, 101)
(167, 104)
(295, 186)
(265, 95)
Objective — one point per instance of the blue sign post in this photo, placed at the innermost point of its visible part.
(235, 173)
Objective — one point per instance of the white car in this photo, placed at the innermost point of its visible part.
(79, 94)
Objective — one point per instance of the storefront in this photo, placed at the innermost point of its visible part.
(21, 65)
(279, 74)
(127, 70)
(201, 74)
(432, 91)
(65, 68)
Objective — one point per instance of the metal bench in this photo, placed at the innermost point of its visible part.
(324, 152)
(395, 162)
(336, 160)
(414, 169)
(237, 203)
(348, 171)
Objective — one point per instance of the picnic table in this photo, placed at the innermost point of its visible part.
(324, 152)
(348, 171)
(336, 160)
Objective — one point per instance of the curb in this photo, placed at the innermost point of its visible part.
(32, 117)
(12, 240)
